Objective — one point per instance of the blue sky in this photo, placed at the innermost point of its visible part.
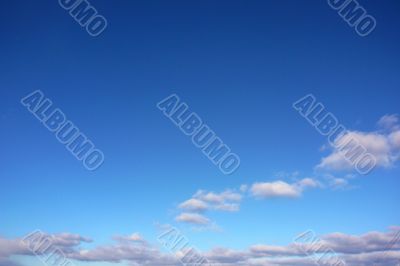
(239, 65)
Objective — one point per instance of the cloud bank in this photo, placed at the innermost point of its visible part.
(372, 248)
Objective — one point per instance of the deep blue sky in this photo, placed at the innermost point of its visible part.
(240, 65)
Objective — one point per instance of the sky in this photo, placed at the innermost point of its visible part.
(239, 66)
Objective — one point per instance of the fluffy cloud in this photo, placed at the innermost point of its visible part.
(229, 200)
(383, 145)
(202, 201)
(221, 198)
(394, 139)
(275, 189)
(372, 248)
(194, 205)
(136, 254)
(193, 218)
(282, 189)
(65, 242)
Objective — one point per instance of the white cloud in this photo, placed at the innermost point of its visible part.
(268, 250)
(244, 188)
(389, 122)
(227, 207)
(194, 205)
(339, 183)
(229, 200)
(192, 218)
(275, 189)
(202, 201)
(218, 198)
(394, 139)
(383, 145)
(282, 189)
(308, 182)
(135, 237)
(370, 249)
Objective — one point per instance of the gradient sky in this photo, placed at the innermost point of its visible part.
(239, 65)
